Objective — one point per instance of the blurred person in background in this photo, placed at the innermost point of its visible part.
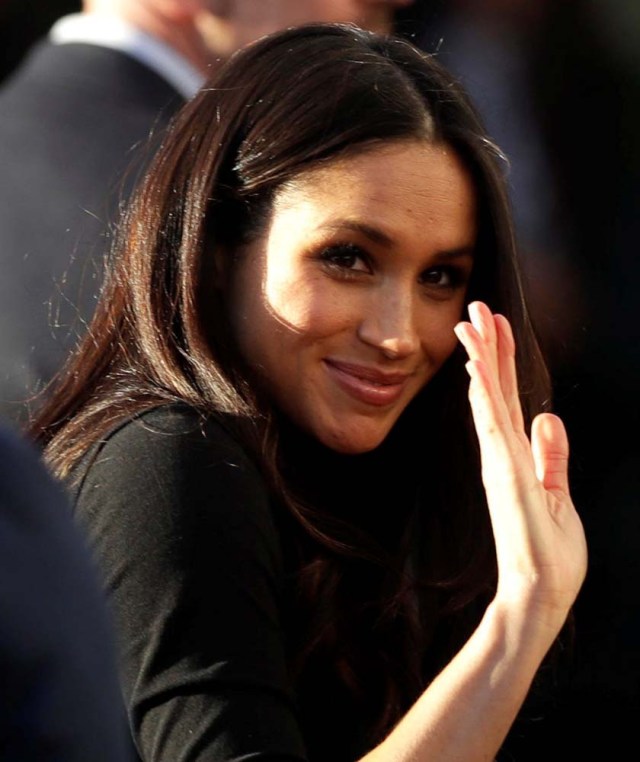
(23, 22)
(75, 120)
(59, 699)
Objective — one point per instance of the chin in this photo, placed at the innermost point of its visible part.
(352, 443)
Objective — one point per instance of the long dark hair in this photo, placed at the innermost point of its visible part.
(161, 333)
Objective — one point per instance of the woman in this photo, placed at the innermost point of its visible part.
(268, 435)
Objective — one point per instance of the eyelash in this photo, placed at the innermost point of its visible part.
(331, 255)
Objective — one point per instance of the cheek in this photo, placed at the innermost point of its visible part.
(437, 337)
(309, 307)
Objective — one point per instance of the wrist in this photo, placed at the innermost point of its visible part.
(522, 625)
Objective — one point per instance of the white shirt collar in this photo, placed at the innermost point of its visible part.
(113, 32)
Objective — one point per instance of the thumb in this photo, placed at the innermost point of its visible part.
(550, 448)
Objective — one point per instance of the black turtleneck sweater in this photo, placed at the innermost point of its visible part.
(202, 565)
(199, 562)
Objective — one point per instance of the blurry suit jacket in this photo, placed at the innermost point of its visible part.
(59, 695)
(74, 126)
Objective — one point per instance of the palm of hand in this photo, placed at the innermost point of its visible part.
(540, 543)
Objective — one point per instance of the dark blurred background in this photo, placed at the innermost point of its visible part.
(24, 21)
(559, 87)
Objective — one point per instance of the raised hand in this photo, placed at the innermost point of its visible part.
(540, 543)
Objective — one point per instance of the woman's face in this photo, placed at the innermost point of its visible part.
(345, 306)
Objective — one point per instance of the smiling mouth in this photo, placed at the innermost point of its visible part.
(367, 385)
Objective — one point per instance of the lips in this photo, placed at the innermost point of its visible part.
(367, 384)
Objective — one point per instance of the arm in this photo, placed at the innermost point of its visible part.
(467, 711)
(182, 528)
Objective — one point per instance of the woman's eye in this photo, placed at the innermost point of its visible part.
(345, 257)
(442, 277)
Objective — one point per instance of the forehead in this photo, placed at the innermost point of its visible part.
(405, 186)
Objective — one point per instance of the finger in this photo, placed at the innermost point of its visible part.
(489, 338)
(485, 393)
(484, 323)
(507, 371)
(480, 338)
(474, 344)
(550, 448)
(470, 339)
(490, 415)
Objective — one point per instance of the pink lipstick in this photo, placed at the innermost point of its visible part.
(366, 384)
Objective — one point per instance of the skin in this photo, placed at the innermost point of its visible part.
(345, 306)
(540, 546)
(292, 314)
(234, 23)
(207, 32)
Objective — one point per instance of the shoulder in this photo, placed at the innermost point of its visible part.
(166, 430)
(169, 444)
(178, 487)
(182, 525)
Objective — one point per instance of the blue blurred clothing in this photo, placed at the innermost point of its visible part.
(59, 700)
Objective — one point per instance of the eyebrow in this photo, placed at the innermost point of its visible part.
(379, 237)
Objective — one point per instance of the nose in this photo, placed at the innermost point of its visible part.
(389, 324)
